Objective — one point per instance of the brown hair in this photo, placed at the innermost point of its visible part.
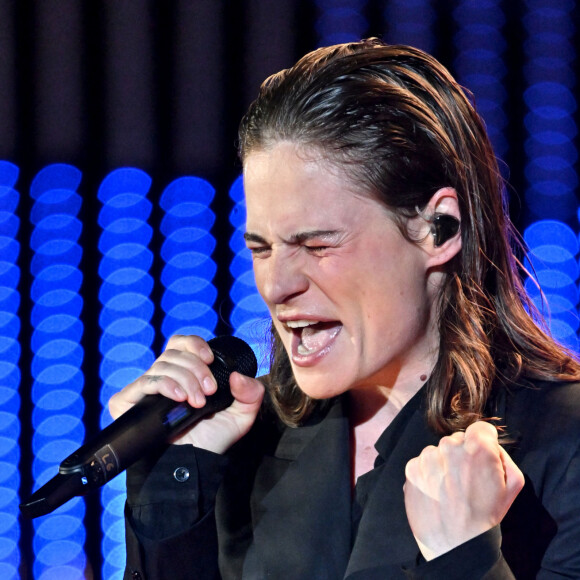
(402, 128)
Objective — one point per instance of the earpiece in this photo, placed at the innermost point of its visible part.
(443, 228)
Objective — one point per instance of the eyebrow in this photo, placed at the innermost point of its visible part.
(250, 237)
(298, 238)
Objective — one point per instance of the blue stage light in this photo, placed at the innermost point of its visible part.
(9, 372)
(250, 317)
(547, 232)
(125, 318)
(550, 167)
(550, 102)
(553, 247)
(188, 270)
(57, 359)
(480, 65)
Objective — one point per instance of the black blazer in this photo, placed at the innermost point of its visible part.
(284, 508)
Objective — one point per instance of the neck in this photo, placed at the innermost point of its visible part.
(371, 404)
(371, 411)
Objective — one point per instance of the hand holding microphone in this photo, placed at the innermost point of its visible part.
(163, 406)
(183, 373)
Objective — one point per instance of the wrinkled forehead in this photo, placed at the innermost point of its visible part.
(315, 162)
(289, 190)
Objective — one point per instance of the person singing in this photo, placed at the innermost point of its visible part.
(417, 421)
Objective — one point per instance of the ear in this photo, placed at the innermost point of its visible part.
(443, 221)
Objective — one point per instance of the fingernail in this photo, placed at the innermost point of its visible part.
(179, 392)
(199, 398)
(209, 385)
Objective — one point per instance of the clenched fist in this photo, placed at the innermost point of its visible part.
(459, 489)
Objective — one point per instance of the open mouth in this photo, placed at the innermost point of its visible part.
(313, 337)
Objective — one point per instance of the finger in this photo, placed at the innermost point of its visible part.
(124, 399)
(452, 443)
(178, 374)
(412, 471)
(248, 393)
(425, 471)
(192, 344)
(481, 435)
(423, 475)
(482, 451)
(514, 478)
(452, 453)
(177, 384)
(482, 429)
(430, 460)
(241, 414)
(145, 385)
(187, 370)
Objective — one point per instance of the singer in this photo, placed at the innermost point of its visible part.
(417, 422)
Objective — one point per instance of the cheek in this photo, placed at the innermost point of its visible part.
(390, 304)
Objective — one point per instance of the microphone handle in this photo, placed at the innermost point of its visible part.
(119, 445)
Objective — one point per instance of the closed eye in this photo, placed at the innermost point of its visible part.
(316, 249)
(259, 250)
(257, 245)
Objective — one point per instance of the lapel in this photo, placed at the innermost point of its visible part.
(300, 523)
(301, 503)
(384, 541)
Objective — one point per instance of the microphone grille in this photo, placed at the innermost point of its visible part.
(232, 354)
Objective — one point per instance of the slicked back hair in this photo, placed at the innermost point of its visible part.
(398, 124)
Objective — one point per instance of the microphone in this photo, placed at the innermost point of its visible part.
(146, 426)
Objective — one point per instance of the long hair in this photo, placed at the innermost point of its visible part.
(401, 127)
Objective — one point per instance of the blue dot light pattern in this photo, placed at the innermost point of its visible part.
(553, 263)
(550, 102)
(410, 22)
(340, 21)
(479, 64)
(125, 320)
(250, 317)
(9, 372)
(188, 270)
(56, 364)
(550, 158)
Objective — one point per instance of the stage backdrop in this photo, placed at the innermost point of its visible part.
(121, 209)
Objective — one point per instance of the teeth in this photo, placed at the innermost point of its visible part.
(299, 323)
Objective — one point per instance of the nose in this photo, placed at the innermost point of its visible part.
(281, 276)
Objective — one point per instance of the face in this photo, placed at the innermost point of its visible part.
(348, 294)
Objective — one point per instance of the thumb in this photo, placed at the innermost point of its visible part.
(248, 393)
(514, 478)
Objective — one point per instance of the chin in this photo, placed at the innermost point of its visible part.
(318, 390)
